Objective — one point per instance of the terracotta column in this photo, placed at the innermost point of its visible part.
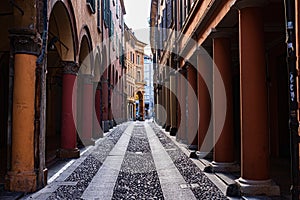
(178, 106)
(183, 107)
(192, 107)
(22, 175)
(253, 92)
(160, 104)
(173, 110)
(68, 130)
(104, 83)
(167, 103)
(87, 111)
(224, 145)
(205, 71)
(97, 132)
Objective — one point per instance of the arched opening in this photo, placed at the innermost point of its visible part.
(139, 106)
(5, 23)
(60, 48)
(85, 93)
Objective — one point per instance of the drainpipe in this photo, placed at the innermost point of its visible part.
(40, 103)
(293, 103)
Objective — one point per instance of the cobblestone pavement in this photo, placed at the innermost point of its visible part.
(136, 160)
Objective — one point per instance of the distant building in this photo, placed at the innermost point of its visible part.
(149, 89)
(134, 63)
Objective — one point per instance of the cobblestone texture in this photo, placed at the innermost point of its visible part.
(203, 187)
(85, 172)
(138, 178)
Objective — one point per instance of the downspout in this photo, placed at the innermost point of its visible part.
(40, 104)
(293, 102)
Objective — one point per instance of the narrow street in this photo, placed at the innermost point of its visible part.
(135, 160)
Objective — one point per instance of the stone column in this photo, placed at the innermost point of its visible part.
(192, 107)
(255, 169)
(68, 130)
(223, 160)
(25, 47)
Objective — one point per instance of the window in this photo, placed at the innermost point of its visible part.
(112, 27)
(98, 16)
(169, 13)
(133, 58)
(92, 5)
(138, 59)
(106, 13)
(138, 76)
(117, 9)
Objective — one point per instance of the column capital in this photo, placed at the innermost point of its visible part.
(70, 67)
(87, 78)
(221, 33)
(25, 41)
(98, 85)
(250, 3)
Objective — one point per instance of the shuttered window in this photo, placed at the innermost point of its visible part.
(92, 5)
(112, 27)
(169, 13)
(106, 13)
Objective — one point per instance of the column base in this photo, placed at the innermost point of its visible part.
(111, 124)
(207, 155)
(222, 167)
(255, 188)
(164, 126)
(68, 153)
(193, 147)
(173, 131)
(105, 126)
(168, 127)
(21, 182)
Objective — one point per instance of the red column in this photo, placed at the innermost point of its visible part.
(253, 93)
(179, 108)
(224, 145)
(97, 132)
(255, 161)
(104, 83)
(182, 102)
(87, 112)
(167, 103)
(192, 108)
(204, 101)
(68, 130)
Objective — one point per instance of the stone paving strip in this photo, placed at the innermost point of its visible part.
(138, 178)
(196, 180)
(102, 185)
(71, 183)
(170, 178)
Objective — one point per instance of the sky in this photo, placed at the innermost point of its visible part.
(137, 17)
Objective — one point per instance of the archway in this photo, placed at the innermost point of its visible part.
(5, 23)
(140, 105)
(85, 91)
(60, 48)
